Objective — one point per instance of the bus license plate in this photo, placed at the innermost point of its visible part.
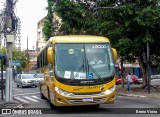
(87, 99)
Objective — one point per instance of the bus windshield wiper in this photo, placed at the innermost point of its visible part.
(90, 66)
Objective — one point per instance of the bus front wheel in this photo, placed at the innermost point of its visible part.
(49, 99)
(42, 96)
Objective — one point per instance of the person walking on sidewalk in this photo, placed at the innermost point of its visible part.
(129, 81)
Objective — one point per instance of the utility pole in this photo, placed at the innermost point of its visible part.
(9, 43)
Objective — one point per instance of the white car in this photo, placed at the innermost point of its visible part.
(140, 80)
(26, 80)
(16, 77)
(154, 80)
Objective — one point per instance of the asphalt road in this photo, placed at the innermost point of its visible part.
(29, 98)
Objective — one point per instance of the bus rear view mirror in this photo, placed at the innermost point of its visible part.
(114, 52)
(50, 55)
(47, 78)
(44, 70)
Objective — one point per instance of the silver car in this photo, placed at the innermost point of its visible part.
(39, 77)
(16, 77)
(26, 80)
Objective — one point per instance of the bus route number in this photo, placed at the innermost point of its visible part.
(99, 46)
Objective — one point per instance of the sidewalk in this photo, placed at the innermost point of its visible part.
(137, 91)
(4, 104)
(13, 104)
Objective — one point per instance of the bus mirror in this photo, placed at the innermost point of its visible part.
(50, 56)
(47, 78)
(114, 52)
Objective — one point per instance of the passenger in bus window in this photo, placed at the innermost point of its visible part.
(94, 59)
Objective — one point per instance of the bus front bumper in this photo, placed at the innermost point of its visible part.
(75, 100)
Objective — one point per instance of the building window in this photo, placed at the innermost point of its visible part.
(39, 35)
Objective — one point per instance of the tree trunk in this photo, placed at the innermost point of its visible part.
(143, 69)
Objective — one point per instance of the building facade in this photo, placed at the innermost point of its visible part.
(40, 38)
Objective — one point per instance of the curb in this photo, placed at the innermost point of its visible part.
(131, 95)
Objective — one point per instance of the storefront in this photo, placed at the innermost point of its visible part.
(132, 68)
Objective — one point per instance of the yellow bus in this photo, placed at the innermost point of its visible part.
(70, 77)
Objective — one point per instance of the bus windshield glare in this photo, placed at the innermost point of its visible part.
(83, 61)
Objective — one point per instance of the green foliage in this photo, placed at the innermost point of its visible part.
(3, 51)
(129, 26)
(18, 55)
(21, 56)
(48, 27)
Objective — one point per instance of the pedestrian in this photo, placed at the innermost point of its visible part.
(129, 81)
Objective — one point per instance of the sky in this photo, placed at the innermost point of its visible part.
(30, 13)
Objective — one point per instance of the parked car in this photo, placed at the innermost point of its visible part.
(135, 80)
(118, 80)
(16, 77)
(4, 80)
(26, 80)
(140, 80)
(39, 77)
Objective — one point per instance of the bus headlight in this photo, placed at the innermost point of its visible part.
(62, 92)
(109, 91)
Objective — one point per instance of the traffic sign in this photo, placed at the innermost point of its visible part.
(16, 63)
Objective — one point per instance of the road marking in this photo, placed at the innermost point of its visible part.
(26, 93)
(36, 97)
(29, 98)
(16, 101)
(21, 100)
(17, 90)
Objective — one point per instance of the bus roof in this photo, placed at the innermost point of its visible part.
(79, 39)
(76, 39)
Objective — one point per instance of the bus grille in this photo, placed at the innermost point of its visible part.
(95, 93)
(80, 101)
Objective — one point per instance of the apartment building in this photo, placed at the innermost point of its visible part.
(40, 37)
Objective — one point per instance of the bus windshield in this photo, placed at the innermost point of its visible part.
(83, 61)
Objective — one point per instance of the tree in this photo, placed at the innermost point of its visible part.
(18, 55)
(49, 27)
(129, 24)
